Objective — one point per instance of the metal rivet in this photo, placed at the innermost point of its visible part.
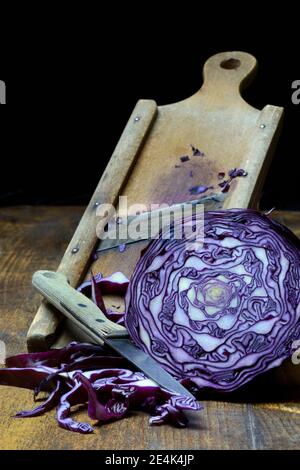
(75, 250)
(262, 126)
(97, 204)
(137, 118)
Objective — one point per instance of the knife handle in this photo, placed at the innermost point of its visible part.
(76, 306)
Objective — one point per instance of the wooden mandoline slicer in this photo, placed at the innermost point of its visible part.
(146, 167)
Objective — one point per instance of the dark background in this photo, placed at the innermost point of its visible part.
(69, 99)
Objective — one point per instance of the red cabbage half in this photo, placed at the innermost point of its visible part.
(225, 312)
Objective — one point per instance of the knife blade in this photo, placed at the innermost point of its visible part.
(117, 235)
(147, 365)
(82, 311)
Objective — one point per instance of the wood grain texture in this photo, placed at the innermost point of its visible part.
(216, 120)
(77, 256)
(262, 417)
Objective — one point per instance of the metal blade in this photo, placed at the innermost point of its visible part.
(147, 365)
(211, 202)
(108, 244)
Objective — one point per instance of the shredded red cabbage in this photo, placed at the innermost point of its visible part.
(85, 373)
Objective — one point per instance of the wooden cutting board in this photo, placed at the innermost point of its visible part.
(146, 167)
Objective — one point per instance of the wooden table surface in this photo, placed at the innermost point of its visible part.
(34, 238)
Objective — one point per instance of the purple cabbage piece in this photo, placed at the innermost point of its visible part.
(73, 397)
(237, 172)
(221, 313)
(52, 401)
(225, 185)
(98, 286)
(24, 377)
(116, 283)
(53, 358)
(96, 294)
(197, 152)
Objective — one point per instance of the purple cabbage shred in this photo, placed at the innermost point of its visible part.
(237, 172)
(197, 152)
(83, 373)
(225, 185)
(200, 189)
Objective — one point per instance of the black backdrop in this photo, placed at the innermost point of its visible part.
(69, 100)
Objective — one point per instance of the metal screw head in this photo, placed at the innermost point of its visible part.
(137, 118)
(262, 126)
(75, 250)
(97, 204)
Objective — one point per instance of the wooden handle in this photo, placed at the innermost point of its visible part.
(226, 73)
(77, 307)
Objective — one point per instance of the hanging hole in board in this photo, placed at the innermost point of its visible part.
(230, 64)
